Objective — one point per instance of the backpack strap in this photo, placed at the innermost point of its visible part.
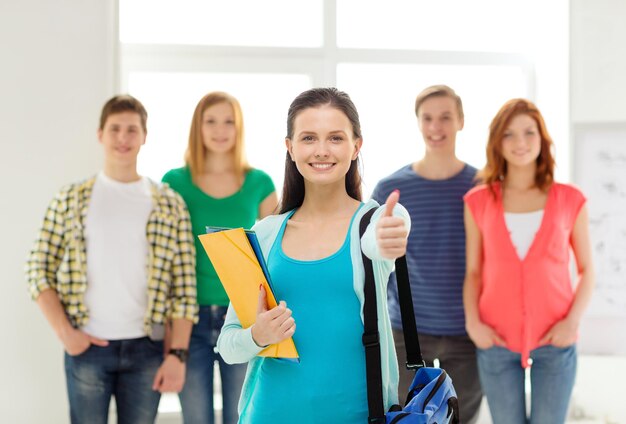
(371, 336)
(414, 359)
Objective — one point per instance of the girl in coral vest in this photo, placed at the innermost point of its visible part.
(521, 309)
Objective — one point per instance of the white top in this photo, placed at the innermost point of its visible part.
(522, 229)
(117, 258)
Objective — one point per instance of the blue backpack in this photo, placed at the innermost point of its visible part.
(431, 398)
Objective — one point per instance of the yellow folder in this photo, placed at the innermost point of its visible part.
(241, 273)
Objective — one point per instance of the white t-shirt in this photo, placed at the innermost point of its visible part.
(522, 229)
(117, 258)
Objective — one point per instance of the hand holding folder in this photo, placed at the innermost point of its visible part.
(238, 261)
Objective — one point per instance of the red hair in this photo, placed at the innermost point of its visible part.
(496, 168)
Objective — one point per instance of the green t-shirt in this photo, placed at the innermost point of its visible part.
(238, 210)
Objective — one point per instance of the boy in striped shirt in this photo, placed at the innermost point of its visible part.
(432, 191)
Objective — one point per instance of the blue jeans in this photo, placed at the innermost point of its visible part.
(124, 369)
(196, 399)
(551, 380)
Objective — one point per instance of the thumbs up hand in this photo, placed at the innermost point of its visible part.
(391, 231)
(273, 325)
(392, 201)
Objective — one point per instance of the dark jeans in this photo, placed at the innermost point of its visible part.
(196, 399)
(457, 355)
(124, 369)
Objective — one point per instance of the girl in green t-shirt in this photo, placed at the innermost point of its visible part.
(220, 189)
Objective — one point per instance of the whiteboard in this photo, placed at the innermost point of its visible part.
(600, 171)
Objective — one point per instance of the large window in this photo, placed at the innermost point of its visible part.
(382, 54)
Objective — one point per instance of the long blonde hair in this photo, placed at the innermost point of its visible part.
(196, 153)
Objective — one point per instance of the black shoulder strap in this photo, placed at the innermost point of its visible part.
(414, 358)
(371, 339)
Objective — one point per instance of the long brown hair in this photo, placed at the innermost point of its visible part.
(496, 168)
(293, 186)
(196, 153)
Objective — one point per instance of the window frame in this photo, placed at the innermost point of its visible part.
(320, 63)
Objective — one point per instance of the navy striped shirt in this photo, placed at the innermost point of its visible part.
(436, 248)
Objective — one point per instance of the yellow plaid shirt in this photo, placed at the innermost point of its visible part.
(58, 259)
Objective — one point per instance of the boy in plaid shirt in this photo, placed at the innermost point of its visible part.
(112, 267)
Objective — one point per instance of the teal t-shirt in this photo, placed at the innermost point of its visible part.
(238, 210)
(329, 384)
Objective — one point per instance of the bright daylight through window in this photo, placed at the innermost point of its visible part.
(381, 56)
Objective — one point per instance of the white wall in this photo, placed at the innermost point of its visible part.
(598, 61)
(597, 95)
(55, 74)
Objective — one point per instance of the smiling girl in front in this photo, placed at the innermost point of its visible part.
(520, 306)
(313, 252)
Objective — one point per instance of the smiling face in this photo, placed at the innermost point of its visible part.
(218, 128)
(439, 121)
(323, 145)
(521, 142)
(122, 136)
